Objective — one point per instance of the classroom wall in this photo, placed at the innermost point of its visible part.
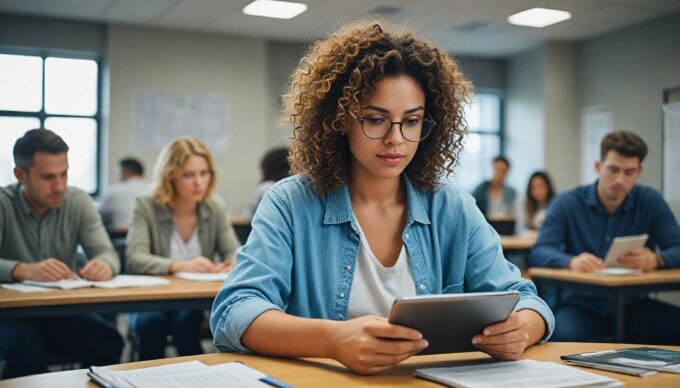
(152, 60)
(524, 118)
(627, 70)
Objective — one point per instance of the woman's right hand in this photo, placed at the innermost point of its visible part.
(197, 264)
(370, 344)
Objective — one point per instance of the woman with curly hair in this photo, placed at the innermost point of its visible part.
(377, 113)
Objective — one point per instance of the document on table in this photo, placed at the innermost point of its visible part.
(119, 281)
(185, 374)
(24, 288)
(202, 277)
(522, 373)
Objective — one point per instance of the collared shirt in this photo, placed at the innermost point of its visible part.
(117, 203)
(576, 222)
(301, 255)
(25, 237)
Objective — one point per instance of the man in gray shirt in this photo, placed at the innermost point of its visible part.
(42, 221)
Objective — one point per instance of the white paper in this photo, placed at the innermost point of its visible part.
(185, 374)
(671, 156)
(25, 288)
(202, 277)
(596, 122)
(119, 281)
(122, 281)
(64, 284)
(515, 374)
(161, 117)
(619, 271)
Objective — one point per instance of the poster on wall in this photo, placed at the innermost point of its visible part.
(596, 122)
(671, 156)
(160, 117)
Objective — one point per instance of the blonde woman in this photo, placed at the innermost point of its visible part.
(179, 228)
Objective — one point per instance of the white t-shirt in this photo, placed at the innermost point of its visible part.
(117, 203)
(375, 286)
(184, 250)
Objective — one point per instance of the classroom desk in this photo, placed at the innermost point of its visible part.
(179, 294)
(616, 287)
(518, 242)
(329, 373)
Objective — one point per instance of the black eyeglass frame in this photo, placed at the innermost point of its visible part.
(429, 121)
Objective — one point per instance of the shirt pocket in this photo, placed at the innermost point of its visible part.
(454, 288)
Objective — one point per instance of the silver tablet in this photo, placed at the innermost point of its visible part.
(449, 321)
(622, 246)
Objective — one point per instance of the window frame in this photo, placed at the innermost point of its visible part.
(501, 117)
(43, 116)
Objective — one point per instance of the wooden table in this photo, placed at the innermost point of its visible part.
(329, 373)
(518, 242)
(615, 286)
(179, 294)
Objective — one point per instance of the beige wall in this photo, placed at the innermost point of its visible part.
(150, 60)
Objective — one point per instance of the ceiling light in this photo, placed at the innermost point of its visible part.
(274, 9)
(539, 17)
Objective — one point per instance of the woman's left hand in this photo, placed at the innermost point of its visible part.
(507, 340)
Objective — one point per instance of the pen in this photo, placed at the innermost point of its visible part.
(275, 382)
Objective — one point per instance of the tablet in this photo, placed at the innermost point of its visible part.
(449, 321)
(621, 246)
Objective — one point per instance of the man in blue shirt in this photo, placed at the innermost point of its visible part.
(578, 231)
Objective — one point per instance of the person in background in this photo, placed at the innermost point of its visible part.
(274, 167)
(42, 222)
(494, 198)
(116, 204)
(539, 193)
(578, 230)
(178, 228)
(377, 113)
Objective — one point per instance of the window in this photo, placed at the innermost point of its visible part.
(60, 94)
(484, 141)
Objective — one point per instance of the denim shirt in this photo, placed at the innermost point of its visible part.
(300, 257)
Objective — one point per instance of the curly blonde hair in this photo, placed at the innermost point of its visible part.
(169, 165)
(339, 73)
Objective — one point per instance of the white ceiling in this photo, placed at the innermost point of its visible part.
(466, 27)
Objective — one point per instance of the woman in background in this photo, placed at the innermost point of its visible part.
(179, 228)
(274, 166)
(539, 193)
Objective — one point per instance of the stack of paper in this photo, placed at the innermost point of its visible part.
(525, 373)
(202, 277)
(185, 375)
(119, 281)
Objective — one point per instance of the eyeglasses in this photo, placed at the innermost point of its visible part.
(414, 128)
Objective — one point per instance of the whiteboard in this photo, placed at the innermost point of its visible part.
(596, 123)
(158, 118)
(671, 153)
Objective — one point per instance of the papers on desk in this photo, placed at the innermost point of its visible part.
(24, 288)
(120, 281)
(202, 277)
(185, 375)
(619, 271)
(524, 373)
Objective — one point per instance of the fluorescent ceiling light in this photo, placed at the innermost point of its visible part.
(539, 17)
(274, 9)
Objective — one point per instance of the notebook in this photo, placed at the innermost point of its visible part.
(202, 277)
(641, 361)
(186, 375)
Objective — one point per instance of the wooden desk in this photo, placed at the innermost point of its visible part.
(616, 287)
(517, 242)
(179, 294)
(328, 373)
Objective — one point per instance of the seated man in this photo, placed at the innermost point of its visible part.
(42, 221)
(579, 229)
(117, 203)
(494, 198)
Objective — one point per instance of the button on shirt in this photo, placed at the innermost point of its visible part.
(576, 222)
